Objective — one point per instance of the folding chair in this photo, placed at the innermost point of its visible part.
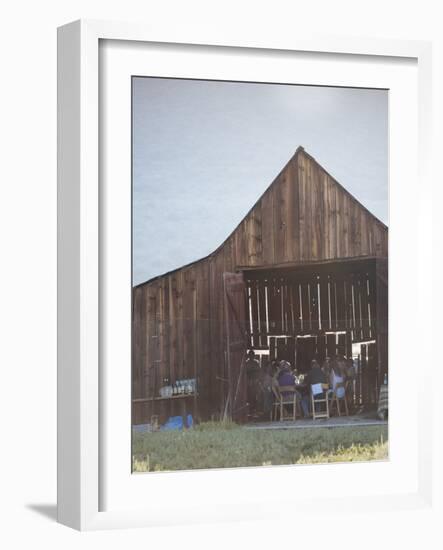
(338, 396)
(319, 396)
(281, 401)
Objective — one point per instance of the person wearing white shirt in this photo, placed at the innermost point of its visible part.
(335, 379)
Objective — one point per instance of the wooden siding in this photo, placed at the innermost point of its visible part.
(178, 319)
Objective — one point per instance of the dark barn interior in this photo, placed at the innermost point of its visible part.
(305, 274)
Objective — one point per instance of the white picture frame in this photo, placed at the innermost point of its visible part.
(80, 262)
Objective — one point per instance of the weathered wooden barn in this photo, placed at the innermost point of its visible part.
(304, 274)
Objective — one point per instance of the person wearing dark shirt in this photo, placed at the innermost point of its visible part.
(326, 367)
(286, 378)
(314, 376)
(266, 386)
(253, 380)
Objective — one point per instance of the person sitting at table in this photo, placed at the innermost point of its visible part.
(267, 381)
(336, 377)
(275, 369)
(326, 367)
(314, 376)
(341, 366)
(285, 376)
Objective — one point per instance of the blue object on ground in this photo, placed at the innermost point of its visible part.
(173, 423)
(189, 421)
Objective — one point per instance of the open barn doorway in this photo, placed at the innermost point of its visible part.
(302, 312)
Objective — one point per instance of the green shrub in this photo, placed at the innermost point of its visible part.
(228, 445)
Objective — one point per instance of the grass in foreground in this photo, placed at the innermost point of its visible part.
(218, 445)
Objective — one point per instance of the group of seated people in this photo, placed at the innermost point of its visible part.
(264, 384)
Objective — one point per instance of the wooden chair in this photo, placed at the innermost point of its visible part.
(322, 399)
(337, 400)
(283, 400)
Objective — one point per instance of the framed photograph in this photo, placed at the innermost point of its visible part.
(229, 212)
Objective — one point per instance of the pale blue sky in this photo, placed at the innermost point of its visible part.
(204, 152)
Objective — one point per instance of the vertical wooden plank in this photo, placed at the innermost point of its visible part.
(241, 244)
(296, 306)
(155, 360)
(289, 307)
(279, 218)
(353, 312)
(274, 303)
(348, 350)
(314, 212)
(303, 214)
(228, 255)
(385, 242)
(306, 314)
(187, 323)
(332, 218)
(258, 234)
(313, 292)
(293, 222)
(360, 214)
(285, 212)
(318, 214)
(333, 303)
(195, 333)
(358, 306)
(138, 342)
(172, 290)
(321, 347)
(180, 325)
(373, 372)
(234, 313)
(248, 285)
(203, 359)
(272, 348)
(277, 306)
(321, 215)
(364, 306)
(253, 231)
(271, 314)
(347, 294)
(213, 382)
(327, 216)
(341, 306)
(262, 312)
(220, 332)
(364, 239)
(355, 229)
(255, 315)
(143, 339)
(160, 331)
(147, 385)
(331, 346)
(166, 326)
(267, 227)
(372, 309)
(339, 221)
(324, 303)
(286, 307)
(341, 347)
(308, 208)
(346, 225)
(382, 313)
